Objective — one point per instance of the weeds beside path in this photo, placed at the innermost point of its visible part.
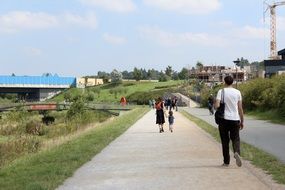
(48, 169)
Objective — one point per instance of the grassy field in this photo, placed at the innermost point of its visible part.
(104, 93)
(48, 169)
(256, 156)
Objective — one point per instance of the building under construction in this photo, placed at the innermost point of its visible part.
(217, 73)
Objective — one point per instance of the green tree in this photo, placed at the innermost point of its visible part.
(168, 71)
(163, 77)
(243, 62)
(199, 65)
(144, 74)
(175, 76)
(103, 75)
(137, 74)
(183, 74)
(116, 77)
(152, 74)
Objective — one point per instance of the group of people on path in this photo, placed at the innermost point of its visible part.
(171, 103)
(229, 126)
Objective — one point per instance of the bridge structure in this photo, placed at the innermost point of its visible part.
(111, 108)
(35, 88)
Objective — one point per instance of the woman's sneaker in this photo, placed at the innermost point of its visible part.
(238, 160)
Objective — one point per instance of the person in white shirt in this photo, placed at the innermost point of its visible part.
(232, 122)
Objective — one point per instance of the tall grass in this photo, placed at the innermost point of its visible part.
(48, 169)
(24, 133)
(15, 148)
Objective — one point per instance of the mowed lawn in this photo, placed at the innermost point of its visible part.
(103, 93)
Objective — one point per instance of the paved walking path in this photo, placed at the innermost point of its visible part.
(142, 158)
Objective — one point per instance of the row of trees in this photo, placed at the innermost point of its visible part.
(143, 74)
(167, 74)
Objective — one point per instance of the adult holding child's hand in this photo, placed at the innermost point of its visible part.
(160, 119)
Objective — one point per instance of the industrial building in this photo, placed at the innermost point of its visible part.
(35, 88)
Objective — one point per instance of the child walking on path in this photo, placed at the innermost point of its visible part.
(170, 120)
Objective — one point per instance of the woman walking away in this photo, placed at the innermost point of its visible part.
(159, 114)
(170, 120)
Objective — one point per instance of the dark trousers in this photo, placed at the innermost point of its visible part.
(229, 130)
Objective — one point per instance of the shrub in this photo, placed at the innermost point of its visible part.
(142, 98)
(76, 109)
(265, 94)
(252, 93)
(34, 127)
(90, 96)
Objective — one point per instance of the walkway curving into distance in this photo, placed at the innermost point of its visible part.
(142, 158)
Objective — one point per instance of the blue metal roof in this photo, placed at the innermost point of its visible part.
(38, 80)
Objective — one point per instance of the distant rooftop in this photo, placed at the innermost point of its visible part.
(46, 79)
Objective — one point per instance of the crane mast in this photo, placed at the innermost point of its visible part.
(273, 46)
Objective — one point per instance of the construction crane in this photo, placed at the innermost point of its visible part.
(273, 46)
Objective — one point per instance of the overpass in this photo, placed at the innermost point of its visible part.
(35, 88)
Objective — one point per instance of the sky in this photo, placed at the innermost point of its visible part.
(82, 37)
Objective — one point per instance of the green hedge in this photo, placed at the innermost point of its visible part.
(264, 94)
(142, 98)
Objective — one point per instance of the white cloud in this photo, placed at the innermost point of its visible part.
(16, 21)
(31, 51)
(112, 5)
(21, 20)
(114, 39)
(251, 32)
(89, 20)
(175, 39)
(186, 6)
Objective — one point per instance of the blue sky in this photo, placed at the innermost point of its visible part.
(82, 37)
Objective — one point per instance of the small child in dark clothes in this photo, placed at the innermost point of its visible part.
(170, 120)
